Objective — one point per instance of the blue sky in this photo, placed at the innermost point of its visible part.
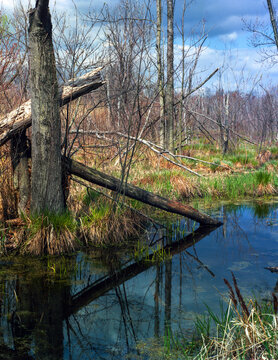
(224, 24)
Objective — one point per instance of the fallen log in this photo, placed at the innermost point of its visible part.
(134, 192)
(20, 118)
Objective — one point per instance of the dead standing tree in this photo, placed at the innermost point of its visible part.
(265, 37)
(46, 182)
(169, 99)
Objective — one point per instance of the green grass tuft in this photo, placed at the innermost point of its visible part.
(59, 222)
(263, 178)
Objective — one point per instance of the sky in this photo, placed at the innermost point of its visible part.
(228, 43)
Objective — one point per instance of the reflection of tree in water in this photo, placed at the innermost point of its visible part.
(44, 307)
(39, 317)
(36, 312)
(261, 210)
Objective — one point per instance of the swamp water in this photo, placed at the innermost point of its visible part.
(85, 307)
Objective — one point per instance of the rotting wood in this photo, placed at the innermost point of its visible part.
(20, 118)
(134, 192)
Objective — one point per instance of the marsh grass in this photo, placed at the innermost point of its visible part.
(99, 224)
(154, 254)
(106, 226)
(177, 185)
(263, 178)
(240, 175)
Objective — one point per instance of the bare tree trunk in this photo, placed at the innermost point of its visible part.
(160, 72)
(170, 77)
(181, 112)
(273, 21)
(46, 184)
(225, 138)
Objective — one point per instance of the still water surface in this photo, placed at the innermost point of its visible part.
(88, 307)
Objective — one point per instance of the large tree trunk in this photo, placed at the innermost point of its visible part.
(134, 192)
(46, 182)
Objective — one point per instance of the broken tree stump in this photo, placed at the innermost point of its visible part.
(20, 119)
(134, 192)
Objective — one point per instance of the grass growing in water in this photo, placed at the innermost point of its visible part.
(243, 331)
(151, 254)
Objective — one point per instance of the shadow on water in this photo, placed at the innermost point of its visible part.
(76, 308)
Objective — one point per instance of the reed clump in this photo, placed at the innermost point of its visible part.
(104, 225)
(50, 234)
(251, 332)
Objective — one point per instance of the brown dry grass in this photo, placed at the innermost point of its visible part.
(39, 237)
(8, 195)
(113, 229)
(265, 190)
(185, 188)
(48, 241)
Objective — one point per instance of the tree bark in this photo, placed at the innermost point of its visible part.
(46, 182)
(20, 155)
(134, 192)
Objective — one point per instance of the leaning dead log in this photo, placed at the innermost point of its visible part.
(20, 118)
(134, 192)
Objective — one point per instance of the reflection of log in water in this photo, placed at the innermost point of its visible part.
(97, 289)
(42, 306)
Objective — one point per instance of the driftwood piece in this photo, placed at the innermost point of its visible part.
(134, 192)
(20, 118)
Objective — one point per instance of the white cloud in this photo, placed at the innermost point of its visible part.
(229, 37)
(240, 67)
